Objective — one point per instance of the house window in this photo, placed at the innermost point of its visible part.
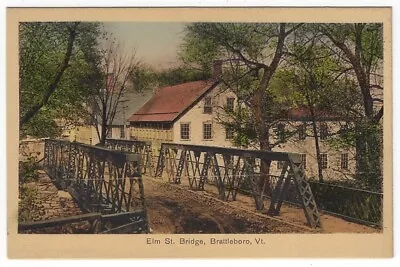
(344, 161)
(229, 134)
(323, 131)
(323, 159)
(230, 103)
(122, 132)
(304, 161)
(302, 132)
(279, 165)
(281, 132)
(207, 130)
(185, 131)
(207, 105)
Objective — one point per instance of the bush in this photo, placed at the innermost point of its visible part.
(355, 203)
(27, 203)
(28, 170)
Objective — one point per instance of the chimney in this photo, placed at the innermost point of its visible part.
(217, 69)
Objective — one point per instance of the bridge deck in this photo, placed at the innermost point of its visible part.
(175, 209)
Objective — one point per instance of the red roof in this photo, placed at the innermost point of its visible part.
(169, 102)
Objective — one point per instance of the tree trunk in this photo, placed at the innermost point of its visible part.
(263, 137)
(104, 126)
(317, 149)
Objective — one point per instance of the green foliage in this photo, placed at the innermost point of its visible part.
(42, 125)
(42, 48)
(180, 75)
(27, 203)
(353, 203)
(143, 78)
(28, 170)
(239, 120)
(197, 49)
(369, 36)
(205, 42)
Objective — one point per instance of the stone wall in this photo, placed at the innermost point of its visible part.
(31, 148)
(49, 202)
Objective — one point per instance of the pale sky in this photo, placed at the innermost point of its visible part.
(157, 43)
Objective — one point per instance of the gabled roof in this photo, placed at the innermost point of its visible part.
(134, 100)
(168, 103)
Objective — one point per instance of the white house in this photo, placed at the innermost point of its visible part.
(185, 113)
(336, 164)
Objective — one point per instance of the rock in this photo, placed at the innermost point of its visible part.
(64, 195)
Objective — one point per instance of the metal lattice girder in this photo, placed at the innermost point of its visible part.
(279, 190)
(160, 163)
(204, 171)
(231, 170)
(251, 179)
(193, 168)
(308, 202)
(143, 148)
(100, 179)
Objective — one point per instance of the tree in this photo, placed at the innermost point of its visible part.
(116, 67)
(55, 73)
(314, 75)
(181, 74)
(143, 78)
(361, 46)
(253, 52)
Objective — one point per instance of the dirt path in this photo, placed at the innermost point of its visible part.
(295, 215)
(176, 209)
(173, 209)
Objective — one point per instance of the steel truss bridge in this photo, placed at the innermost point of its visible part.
(232, 170)
(107, 184)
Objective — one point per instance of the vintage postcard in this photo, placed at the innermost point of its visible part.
(199, 132)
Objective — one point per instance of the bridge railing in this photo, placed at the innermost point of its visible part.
(352, 203)
(230, 169)
(99, 179)
(143, 148)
